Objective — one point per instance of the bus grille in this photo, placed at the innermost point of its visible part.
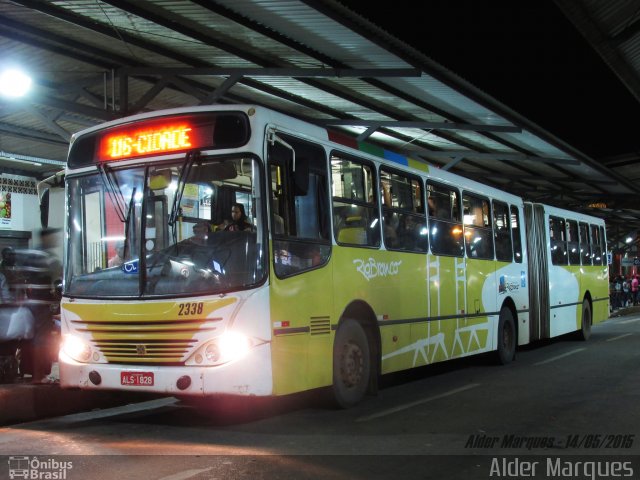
(160, 342)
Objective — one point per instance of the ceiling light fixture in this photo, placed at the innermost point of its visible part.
(14, 83)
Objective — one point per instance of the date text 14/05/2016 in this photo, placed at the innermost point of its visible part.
(587, 441)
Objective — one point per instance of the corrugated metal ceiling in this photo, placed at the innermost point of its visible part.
(78, 50)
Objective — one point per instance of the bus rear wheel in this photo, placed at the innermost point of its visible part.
(506, 352)
(585, 330)
(351, 364)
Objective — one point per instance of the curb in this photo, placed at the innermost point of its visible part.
(24, 403)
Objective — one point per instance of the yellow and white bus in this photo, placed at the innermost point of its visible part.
(349, 262)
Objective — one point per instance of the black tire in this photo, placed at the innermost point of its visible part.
(507, 338)
(585, 329)
(351, 364)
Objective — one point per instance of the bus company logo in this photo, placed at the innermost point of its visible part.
(372, 269)
(36, 469)
(504, 286)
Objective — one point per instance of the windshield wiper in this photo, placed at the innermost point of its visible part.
(114, 192)
(177, 199)
(182, 183)
(127, 223)
(190, 158)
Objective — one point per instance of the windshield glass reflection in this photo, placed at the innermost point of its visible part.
(186, 228)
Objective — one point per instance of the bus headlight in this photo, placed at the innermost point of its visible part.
(76, 348)
(228, 347)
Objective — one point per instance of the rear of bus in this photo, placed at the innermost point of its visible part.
(570, 275)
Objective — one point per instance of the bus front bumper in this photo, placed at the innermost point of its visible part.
(251, 375)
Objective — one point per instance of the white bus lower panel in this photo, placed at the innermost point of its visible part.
(251, 375)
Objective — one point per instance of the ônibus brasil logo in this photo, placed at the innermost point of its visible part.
(37, 469)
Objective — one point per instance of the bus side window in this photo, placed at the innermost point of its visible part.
(502, 232)
(355, 204)
(299, 210)
(445, 225)
(403, 220)
(573, 242)
(477, 227)
(596, 245)
(515, 234)
(557, 234)
(604, 245)
(585, 244)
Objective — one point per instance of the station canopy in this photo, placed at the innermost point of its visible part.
(98, 60)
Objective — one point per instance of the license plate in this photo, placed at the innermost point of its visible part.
(136, 379)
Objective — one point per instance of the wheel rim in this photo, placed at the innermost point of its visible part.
(352, 365)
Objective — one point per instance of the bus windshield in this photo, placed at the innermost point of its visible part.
(172, 229)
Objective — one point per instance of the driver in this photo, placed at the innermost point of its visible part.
(238, 219)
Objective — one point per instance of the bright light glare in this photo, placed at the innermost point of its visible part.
(14, 83)
(629, 240)
(76, 348)
(233, 345)
(113, 239)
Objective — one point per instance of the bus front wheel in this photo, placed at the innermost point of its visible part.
(506, 337)
(351, 364)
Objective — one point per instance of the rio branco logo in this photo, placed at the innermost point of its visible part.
(38, 468)
(372, 269)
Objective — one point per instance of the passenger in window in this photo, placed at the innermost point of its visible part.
(200, 234)
(239, 221)
(118, 258)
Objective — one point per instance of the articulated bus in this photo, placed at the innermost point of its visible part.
(341, 263)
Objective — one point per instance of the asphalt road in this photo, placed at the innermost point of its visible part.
(563, 409)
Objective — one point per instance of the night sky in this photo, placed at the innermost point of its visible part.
(527, 55)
